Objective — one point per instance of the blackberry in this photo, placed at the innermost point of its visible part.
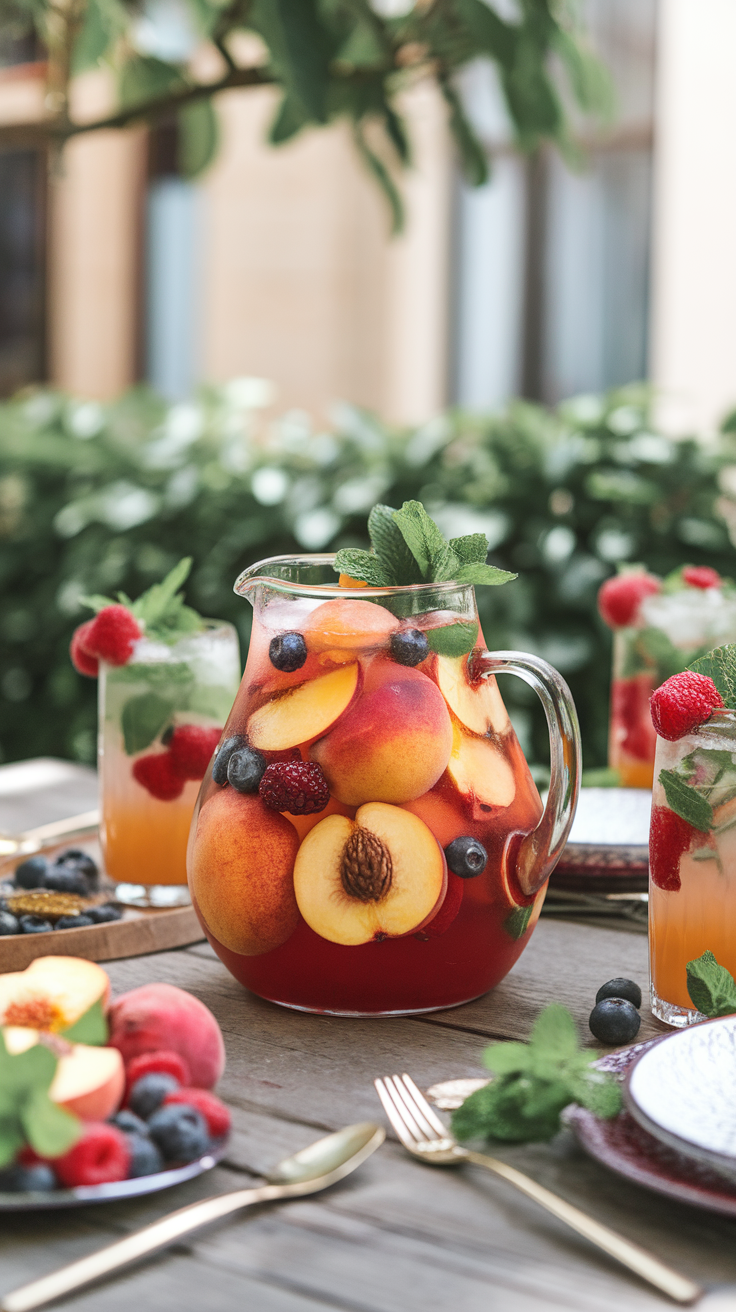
(180, 1132)
(31, 873)
(466, 857)
(219, 768)
(409, 646)
(620, 988)
(149, 1092)
(35, 925)
(614, 1021)
(288, 652)
(245, 769)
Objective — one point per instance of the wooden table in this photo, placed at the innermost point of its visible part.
(397, 1236)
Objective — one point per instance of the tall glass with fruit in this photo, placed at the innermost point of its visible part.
(369, 839)
(692, 840)
(659, 628)
(167, 679)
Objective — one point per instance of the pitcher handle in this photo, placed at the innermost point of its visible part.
(538, 852)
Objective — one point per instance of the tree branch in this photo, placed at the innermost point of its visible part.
(54, 130)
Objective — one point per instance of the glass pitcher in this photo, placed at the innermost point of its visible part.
(369, 840)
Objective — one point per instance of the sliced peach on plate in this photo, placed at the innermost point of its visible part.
(304, 712)
(88, 1081)
(52, 993)
(348, 624)
(479, 706)
(479, 770)
(379, 876)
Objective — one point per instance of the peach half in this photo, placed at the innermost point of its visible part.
(379, 876)
(393, 743)
(480, 771)
(304, 712)
(240, 869)
(88, 1081)
(479, 706)
(346, 624)
(52, 993)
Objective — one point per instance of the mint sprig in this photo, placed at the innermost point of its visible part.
(408, 547)
(27, 1114)
(534, 1081)
(160, 610)
(711, 987)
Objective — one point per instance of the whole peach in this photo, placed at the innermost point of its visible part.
(157, 1016)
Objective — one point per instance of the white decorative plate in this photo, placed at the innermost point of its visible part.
(682, 1091)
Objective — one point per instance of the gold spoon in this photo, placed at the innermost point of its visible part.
(321, 1164)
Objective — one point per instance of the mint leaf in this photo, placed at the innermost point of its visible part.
(660, 652)
(152, 605)
(390, 547)
(363, 566)
(91, 1028)
(27, 1114)
(507, 1058)
(142, 719)
(710, 986)
(50, 1130)
(489, 575)
(720, 666)
(517, 921)
(422, 537)
(12, 1139)
(472, 549)
(97, 602)
(554, 1033)
(453, 639)
(686, 801)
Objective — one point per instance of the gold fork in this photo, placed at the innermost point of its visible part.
(422, 1132)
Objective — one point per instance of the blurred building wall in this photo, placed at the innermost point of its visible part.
(693, 326)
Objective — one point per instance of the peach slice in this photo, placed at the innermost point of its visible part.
(52, 993)
(240, 869)
(479, 706)
(393, 743)
(481, 771)
(345, 623)
(379, 876)
(524, 909)
(304, 712)
(88, 1081)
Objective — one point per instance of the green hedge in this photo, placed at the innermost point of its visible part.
(98, 498)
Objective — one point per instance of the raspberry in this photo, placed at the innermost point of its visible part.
(298, 787)
(682, 703)
(82, 660)
(101, 1156)
(112, 635)
(191, 748)
(634, 731)
(163, 1062)
(620, 598)
(669, 837)
(448, 910)
(215, 1113)
(701, 576)
(156, 775)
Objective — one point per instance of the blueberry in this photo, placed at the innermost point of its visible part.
(466, 857)
(129, 1123)
(614, 1021)
(245, 769)
(149, 1092)
(409, 646)
(35, 925)
(72, 922)
(17, 1179)
(104, 914)
(81, 861)
(222, 760)
(288, 652)
(66, 879)
(145, 1157)
(620, 988)
(180, 1132)
(31, 873)
(9, 924)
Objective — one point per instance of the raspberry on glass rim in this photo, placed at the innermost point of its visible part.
(619, 598)
(701, 576)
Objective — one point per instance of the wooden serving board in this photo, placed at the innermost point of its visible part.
(142, 930)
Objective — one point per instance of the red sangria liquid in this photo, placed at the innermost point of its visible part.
(350, 853)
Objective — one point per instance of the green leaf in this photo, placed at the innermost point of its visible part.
(720, 666)
(453, 639)
(381, 173)
(50, 1130)
(142, 720)
(97, 602)
(143, 77)
(658, 650)
(472, 549)
(473, 157)
(12, 1139)
(517, 921)
(389, 545)
(199, 137)
(554, 1032)
(153, 604)
(711, 987)
(686, 801)
(91, 1028)
(363, 566)
(422, 537)
(290, 118)
(507, 1058)
(488, 575)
